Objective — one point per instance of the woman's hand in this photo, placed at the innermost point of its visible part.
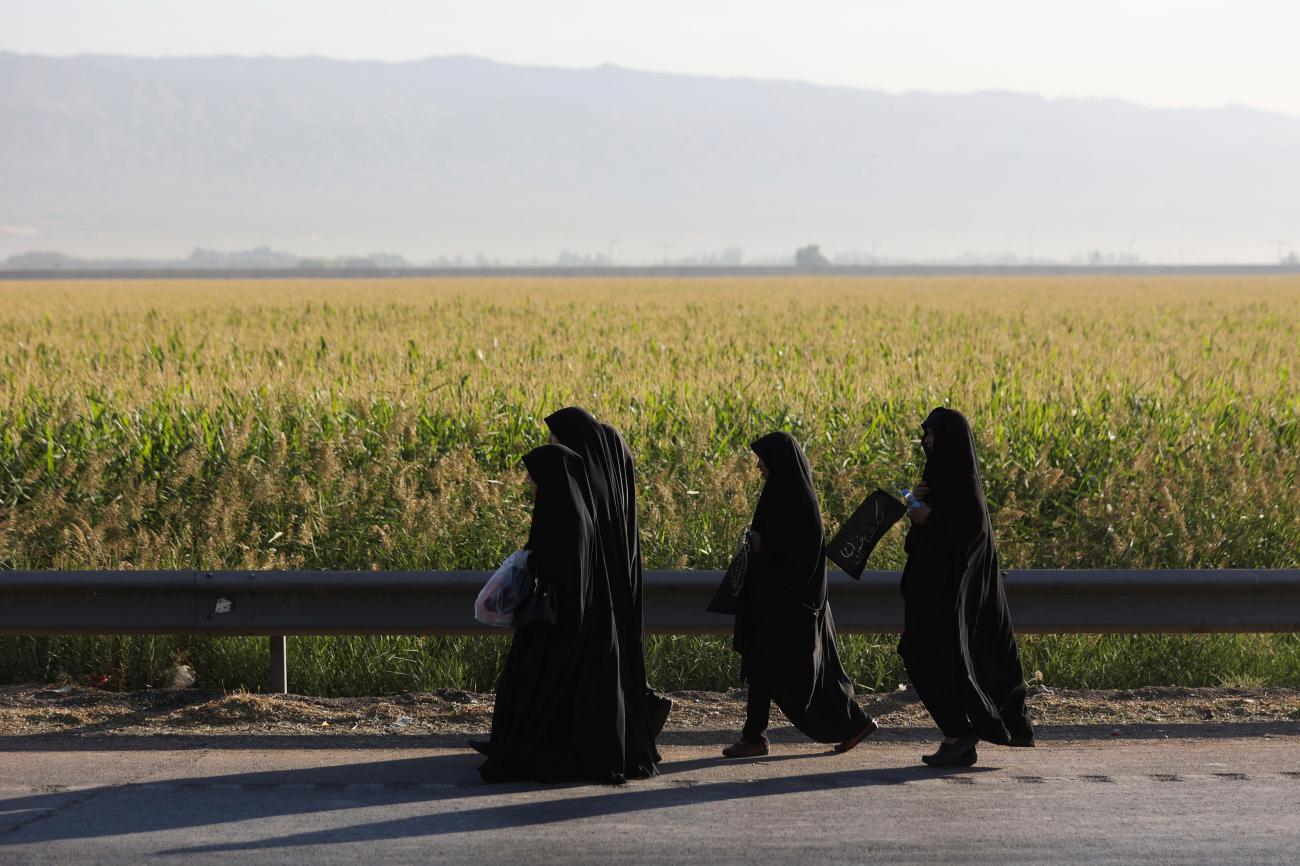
(755, 540)
(921, 490)
(919, 514)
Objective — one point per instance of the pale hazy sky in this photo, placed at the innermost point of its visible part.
(1158, 52)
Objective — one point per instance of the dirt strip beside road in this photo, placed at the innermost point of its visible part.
(32, 709)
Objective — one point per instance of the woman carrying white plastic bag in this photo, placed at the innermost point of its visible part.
(559, 708)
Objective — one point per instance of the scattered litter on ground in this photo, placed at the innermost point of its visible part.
(182, 677)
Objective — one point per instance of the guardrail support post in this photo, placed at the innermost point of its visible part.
(279, 665)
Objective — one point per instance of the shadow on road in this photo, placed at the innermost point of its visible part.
(180, 804)
(617, 802)
(75, 740)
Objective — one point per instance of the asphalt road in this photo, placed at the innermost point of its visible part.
(1205, 795)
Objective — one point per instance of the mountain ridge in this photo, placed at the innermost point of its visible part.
(618, 68)
(110, 155)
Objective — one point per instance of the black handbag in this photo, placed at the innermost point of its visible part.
(539, 606)
(727, 598)
(858, 536)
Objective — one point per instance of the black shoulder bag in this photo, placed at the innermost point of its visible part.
(727, 599)
(540, 605)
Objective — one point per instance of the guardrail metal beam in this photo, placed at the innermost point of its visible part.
(368, 602)
(280, 603)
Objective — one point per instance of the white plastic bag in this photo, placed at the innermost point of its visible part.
(503, 591)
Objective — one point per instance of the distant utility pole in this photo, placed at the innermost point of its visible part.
(1280, 246)
(666, 248)
(609, 259)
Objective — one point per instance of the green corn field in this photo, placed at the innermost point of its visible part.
(1138, 422)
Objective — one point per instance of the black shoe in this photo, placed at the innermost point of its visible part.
(659, 716)
(483, 747)
(959, 754)
(744, 749)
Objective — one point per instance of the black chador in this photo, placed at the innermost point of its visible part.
(607, 462)
(958, 644)
(632, 617)
(559, 704)
(785, 633)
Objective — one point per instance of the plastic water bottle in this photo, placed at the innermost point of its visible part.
(909, 500)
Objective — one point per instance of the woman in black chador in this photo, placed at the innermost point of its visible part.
(958, 644)
(784, 631)
(559, 704)
(607, 462)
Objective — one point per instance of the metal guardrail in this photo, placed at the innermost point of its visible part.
(280, 603)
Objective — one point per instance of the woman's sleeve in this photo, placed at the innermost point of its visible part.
(556, 565)
(773, 552)
(940, 536)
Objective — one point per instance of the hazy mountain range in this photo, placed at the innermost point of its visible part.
(116, 156)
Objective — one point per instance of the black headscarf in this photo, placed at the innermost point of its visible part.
(559, 708)
(958, 641)
(784, 631)
(607, 463)
(789, 518)
(622, 489)
(952, 472)
(576, 428)
(608, 467)
(561, 534)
